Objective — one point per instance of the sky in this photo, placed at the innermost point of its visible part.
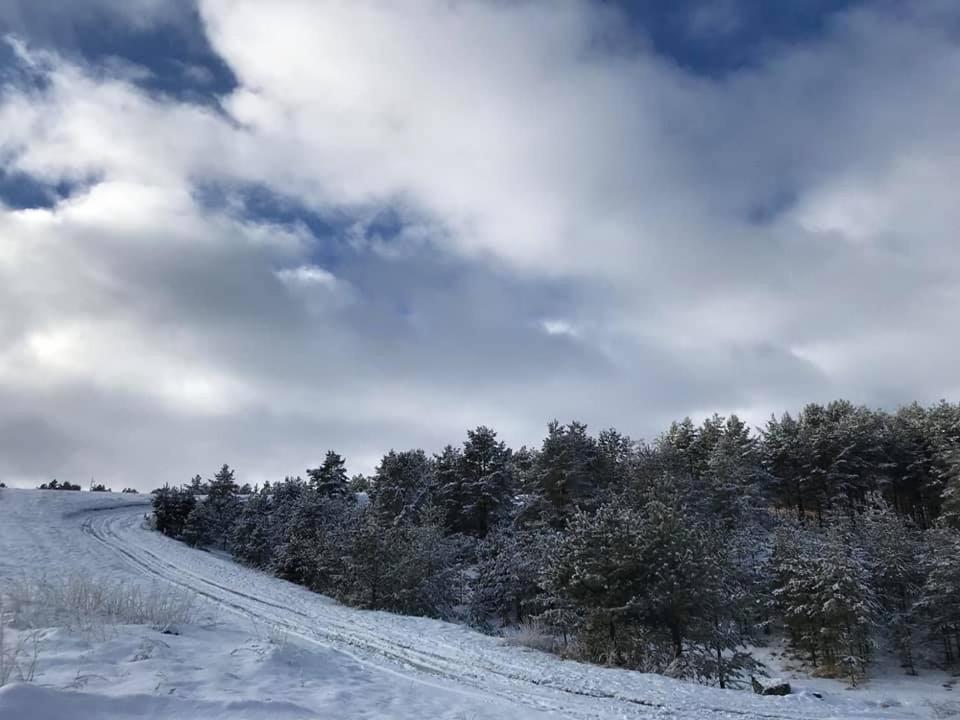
(247, 232)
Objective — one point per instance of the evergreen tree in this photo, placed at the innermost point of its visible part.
(893, 547)
(171, 507)
(199, 526)
(950, 496)
(823, 591)
(646, 589)
(565, 473)
(222, 505)
(402, 485)
(450, 495)
(330, 479)
(250, 535)
(483, 486)
(197, 486)
(506, 583)
(399, 566)
(939, 602)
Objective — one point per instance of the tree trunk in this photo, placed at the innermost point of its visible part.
(677, 640)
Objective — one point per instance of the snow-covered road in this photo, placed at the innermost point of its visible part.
(50, 532)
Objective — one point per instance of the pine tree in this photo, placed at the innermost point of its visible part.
(199, 529)
(565, 474)
(171, 507)
(892, 547)
(250, 535)
(647, 589)
(486, 481)
(939, 602)
(330, 479)
(222, 505)
(402, 485)
(398, 566)
(506, 583)
(823, 591)
(733, 480)
(950, 497)
(449, 490)
(198, 486)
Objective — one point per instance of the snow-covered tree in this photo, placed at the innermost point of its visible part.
(939, 602)
(402, 485)
(823, 591)
(250, 535)
(893, 548)
(474, 486)
(330, 479)
(199, 529)
(564, 477)
(510, 562)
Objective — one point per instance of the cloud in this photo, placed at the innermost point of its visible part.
(58, 21)
(526, 215)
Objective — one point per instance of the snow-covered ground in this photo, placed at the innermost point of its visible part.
(263, 648)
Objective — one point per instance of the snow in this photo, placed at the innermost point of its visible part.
(264, 648)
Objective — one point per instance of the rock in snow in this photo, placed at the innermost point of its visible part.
(770, 687)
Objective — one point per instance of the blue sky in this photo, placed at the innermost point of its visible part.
(250, 232)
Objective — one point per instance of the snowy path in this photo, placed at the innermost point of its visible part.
(435, 656)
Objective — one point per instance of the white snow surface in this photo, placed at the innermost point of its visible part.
(265, 648)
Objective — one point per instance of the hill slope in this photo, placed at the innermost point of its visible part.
(266, 648)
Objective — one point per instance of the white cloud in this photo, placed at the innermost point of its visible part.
(308, 276)
(558, 327)
(546, 184)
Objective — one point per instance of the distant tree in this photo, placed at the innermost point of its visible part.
(55, 485)
(359, 484)
(130, 491)
(197, 486)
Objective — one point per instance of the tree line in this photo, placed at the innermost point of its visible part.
(838, 528)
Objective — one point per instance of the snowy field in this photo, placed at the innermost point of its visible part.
(258, 647)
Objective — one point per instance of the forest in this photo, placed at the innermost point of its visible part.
(837, 529)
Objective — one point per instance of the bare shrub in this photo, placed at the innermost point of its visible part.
(19, 651)
(537, 636)
(86, 604)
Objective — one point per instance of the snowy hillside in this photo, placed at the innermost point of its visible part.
(258, 647)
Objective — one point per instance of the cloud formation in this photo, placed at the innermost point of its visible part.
(498, 213)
